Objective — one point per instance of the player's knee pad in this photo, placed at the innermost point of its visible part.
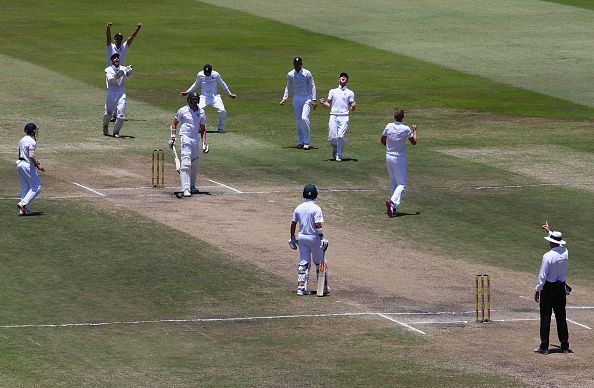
(302, 274)
(186, 163)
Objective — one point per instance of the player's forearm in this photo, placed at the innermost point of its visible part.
(293, 229)
(192, 88)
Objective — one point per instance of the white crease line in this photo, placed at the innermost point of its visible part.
(580, 307)
(515, 319)
(401, 323)
(515, 186)
(579, 324)
(229, 187)
(88, 188)
(437, 322)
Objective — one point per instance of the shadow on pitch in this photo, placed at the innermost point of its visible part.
(123, 136)
(297, 148)
(402, 214)
(33, 214)
(180, 194)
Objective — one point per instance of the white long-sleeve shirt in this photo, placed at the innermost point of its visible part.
(208, 84)
(553, 267)
(341, 99)
(114, 83)
(301, 83)
(112, 49)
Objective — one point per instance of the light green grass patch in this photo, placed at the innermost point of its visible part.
(549, 164)
(535, 45)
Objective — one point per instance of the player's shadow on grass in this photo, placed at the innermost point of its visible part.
(402, 214)
(557, 349)
(180, 194)
(301, 149)
(123, 136)
(343, 160)
(214, 131)
(34, 214)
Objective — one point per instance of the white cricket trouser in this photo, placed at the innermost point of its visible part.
(190, 162)
(309, 248)
(216, 102)
(115, 103)
(397, 170)
(338, 126)
(30, 182)
(302, 107)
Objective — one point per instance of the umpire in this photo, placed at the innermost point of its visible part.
(551, 291)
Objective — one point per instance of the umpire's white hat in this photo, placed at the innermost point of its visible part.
(555, 237)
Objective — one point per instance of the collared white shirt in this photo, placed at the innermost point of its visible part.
(307, 215)
(112, 49)
(26, 144)
(190, 121)
(341, 99)
(553, 267)
(114, 84)
(396, 134)
(301, 83)
(208, 84)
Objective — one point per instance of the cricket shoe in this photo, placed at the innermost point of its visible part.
(116, 135)
(540, 350)
(306, 146)
(221, 130)
(23, 211)
(302, 292)
(338, 159)
(187, 193)
(390, 209)
(194, 190)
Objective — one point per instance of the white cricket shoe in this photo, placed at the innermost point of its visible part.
(306, 146)
(187, 193)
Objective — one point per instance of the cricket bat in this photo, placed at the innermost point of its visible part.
(322, 276)
(177, 162)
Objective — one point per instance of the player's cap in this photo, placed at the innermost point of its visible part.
(555, 237)
(310, 191)
(114, 55)
(118, 36)
(30, 129)
(207, 69)
(297, 60)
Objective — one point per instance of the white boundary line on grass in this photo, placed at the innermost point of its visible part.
(88, 188)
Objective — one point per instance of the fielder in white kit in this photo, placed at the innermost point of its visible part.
(310, 240)
(193, 125)
(301, 82)
(340, 101)
(394, 138)
(118, 46)
(27, 166)
(115, 102)
(208, 79)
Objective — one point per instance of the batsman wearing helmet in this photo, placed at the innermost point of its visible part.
(193, 122)
(310, 240)
(27, 166)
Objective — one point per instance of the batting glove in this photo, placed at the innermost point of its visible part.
(205, 148)
(171, 143)
(293, 243)
(121, 72)
(324, 244)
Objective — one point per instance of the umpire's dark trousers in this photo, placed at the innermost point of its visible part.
(553, 298)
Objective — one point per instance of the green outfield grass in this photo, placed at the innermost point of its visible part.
(81, 269)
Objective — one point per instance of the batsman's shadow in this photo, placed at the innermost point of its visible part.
(180, 194)
(343, 160)
(34, 214)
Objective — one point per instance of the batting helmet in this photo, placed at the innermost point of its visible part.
(297, 60)
(193, 96)
(30, 129)
(207, 69)
(310, 192)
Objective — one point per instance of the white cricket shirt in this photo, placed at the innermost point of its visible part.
(553, 267)
(341, 99)
(307, 215)
(190, 121)
(208, 84)
(114, 85)
(112, 49)
(301, 83)
(26, 144)
(396, 135)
